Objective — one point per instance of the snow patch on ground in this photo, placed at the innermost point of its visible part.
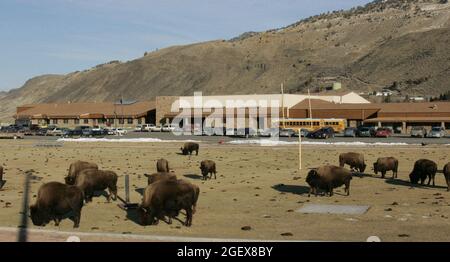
(121, 140)
(268, 142)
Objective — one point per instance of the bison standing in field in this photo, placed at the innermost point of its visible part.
(354, 160)
(167, 198)
(190, 147)
(91, 180)
(54, 201)
(423, 168)
(385, 164)
(327, 178)
(159, 176)
(208, 167)
(75, 169)
(447, 175)
(162, 165)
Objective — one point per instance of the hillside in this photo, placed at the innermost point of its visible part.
(366, 48)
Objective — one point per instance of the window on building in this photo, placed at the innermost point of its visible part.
(121, 121)
(139, 121)
(66, 121)
(55, 121)
(130, 120)
(86, 121)
(111, 120)
(77, 121)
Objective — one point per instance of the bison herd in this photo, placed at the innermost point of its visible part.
(329, 177)
(166, 195)
(163, 198)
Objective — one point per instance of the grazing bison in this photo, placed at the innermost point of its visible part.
(75, 169)
(385, 164)
(167, 198)
(327, 178)
(208, 167)
(162, 165)
(423, 168)
(189, 147)
(447, 175)
(54, 201)
(354, 160)
(91, 180)
(159, 176)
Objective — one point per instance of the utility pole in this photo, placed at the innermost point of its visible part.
(310, 110)
(282, 103)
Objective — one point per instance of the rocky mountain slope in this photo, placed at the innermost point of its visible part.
(400, 43)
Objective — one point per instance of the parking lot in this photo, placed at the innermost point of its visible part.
(339, 138)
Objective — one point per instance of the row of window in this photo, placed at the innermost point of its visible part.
(100, 121)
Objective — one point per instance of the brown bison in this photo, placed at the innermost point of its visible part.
(159, 176)
(385, 164)
(447, 175)
(162, 165)
(208, 167)
(91, 180)
(189, 147)
(75, 169)
(354, 160)
(327, 178)
(167, 198)
(54, 201)
(423, 168)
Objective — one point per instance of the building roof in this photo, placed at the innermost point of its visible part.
(322, 104)
(408, 119)
(82, 110)
(266, 100)
(429, 107)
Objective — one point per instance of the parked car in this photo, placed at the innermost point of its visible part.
(350, 132)
(365, 131)
(41, 132)
(168, 128)
(383, 132)
(303, 132)
(119, 131)
(156, 129)
(55, 132)
(138, 128)
(324, 133)
(437, 132)
(150, 128)
(418, 131)
(246, 132)
(286, 132)
(268, 132)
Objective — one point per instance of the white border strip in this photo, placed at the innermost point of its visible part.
(135, 237)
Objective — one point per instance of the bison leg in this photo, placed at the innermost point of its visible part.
(383, 174)
(188, 222)
(76, 220)
(330, 190)
(347, 187)
(215, 177)
(112, 193)
(57, 220)
(196, 152)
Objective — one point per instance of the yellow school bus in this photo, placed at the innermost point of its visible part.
(312, 124)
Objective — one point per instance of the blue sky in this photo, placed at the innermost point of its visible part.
(60, 36)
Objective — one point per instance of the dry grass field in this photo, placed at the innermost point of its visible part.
(260, 187)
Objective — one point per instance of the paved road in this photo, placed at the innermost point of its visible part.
(216, 139)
